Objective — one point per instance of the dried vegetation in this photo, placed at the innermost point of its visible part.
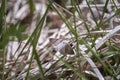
(79, 40)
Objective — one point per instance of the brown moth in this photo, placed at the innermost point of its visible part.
(63, 46)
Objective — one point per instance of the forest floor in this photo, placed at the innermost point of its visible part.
(60, 40)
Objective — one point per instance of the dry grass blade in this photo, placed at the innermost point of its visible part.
(105, 38)
(94, 67)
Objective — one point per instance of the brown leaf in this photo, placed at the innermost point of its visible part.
(62, 46)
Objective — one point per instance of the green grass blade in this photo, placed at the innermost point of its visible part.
(2, 32)
(36, 35)
(68, 24)
(115, 4)
(27, 75)
(32, 6)
(104, 10)
(92, 13)
(42, 74)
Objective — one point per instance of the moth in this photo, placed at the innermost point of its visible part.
(61, 45)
